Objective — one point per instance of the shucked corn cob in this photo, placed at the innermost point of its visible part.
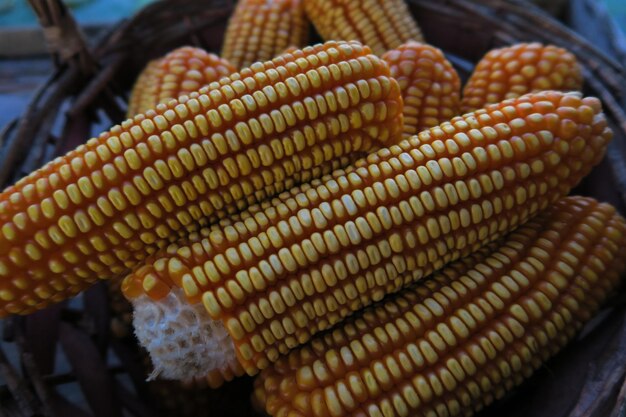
(261, 29)
(520, 69)
(180, 72)
(102, 208)
(479, 327)
(380, 24)
(284, 273)
(430, 85)
(144, 82)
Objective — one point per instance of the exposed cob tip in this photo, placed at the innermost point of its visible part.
(183, 341)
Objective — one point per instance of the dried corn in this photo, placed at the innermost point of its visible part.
(271, 281)
(455, 343)
(380, 24)
(520, 69)
(261, 29)
(182, 71)
(289, 50)
(104, 207)
(431, 88)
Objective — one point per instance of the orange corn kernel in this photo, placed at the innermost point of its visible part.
(520, 69)
(431, 88)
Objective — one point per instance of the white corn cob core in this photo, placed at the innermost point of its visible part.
(182, 340)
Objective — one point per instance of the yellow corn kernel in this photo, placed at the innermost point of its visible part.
(180, 72)
(144, 213)
(259, 30)
(380, 24)
(496, 315)
(520, 69)
(389, 220)
(430, 85)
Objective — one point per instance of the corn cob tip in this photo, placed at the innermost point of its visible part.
(284, 272)
(519, 69)
(99, 211)
(174, 354)
(430, 86)
(178, 73)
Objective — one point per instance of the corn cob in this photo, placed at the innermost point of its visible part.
(429, 84)
(102, 208)
(261, 29)
(182, 71)
(520, 69)
(266, 284)
(145, 81)
(380, 24)
(455, 343)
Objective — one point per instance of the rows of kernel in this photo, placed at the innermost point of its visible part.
(115, 146)
(520, 69)
(316, 300)
(430, 85)
(383, 25)
(276, 327)
(259, 30)
(249, 81)
(144, 83)
(437, 225)
(384, 193)
(209, 240)
(213, 273)
(320, 154)
(521, 247)
(384, 370)
(180, 72)
(189, 191)
(126, 255)
(175, 168)
(156, 181)
(533, 141)
(262, 194)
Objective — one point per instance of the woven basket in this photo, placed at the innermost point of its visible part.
(79, 358)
